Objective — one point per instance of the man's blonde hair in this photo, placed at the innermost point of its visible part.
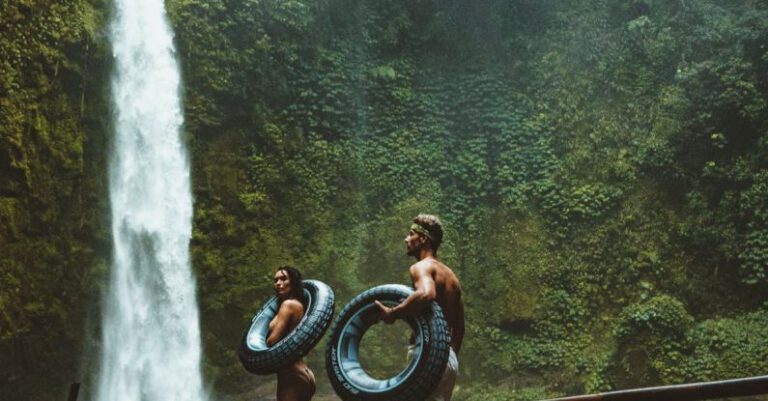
(433, 226)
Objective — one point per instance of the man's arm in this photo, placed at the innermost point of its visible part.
(424, 293)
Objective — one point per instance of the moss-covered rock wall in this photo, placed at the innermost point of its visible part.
(600, 168)
(53, 244)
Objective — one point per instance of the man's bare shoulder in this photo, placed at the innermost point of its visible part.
(449, 276)
(424, 266)
(441, 273)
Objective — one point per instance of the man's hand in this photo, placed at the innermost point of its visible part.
(386, 313)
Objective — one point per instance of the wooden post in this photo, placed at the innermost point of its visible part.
(74, 388)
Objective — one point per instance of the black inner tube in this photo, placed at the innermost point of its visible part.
(349, 347)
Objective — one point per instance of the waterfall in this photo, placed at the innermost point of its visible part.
(151, 334)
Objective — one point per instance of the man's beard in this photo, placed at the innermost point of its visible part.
(415, 251)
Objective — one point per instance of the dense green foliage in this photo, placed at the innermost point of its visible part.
(600, 167)
(53, 213)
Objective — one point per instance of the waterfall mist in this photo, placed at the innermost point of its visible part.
(151, 335)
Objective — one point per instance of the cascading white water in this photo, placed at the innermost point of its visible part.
(151, 335)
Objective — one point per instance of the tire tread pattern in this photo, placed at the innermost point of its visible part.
(427, 375)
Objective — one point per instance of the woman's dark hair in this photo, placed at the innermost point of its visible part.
(297, 285)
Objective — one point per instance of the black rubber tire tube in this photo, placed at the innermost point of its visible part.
(422, 374)
(259, 359)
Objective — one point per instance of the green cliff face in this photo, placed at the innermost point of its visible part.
(600, 168)
(52, 210)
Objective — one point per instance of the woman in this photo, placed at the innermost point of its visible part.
(295, 382)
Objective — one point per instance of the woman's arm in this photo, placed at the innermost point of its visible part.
(288, 316)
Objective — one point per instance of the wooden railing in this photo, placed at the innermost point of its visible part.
(680, 392)
(692, 391)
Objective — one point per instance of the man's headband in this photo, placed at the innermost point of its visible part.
(421, 230)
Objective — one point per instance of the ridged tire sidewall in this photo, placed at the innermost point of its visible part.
(429, 370)
(297, 343)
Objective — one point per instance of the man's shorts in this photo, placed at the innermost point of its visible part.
(444, 389)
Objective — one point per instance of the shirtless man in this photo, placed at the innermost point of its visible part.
(432, 281)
